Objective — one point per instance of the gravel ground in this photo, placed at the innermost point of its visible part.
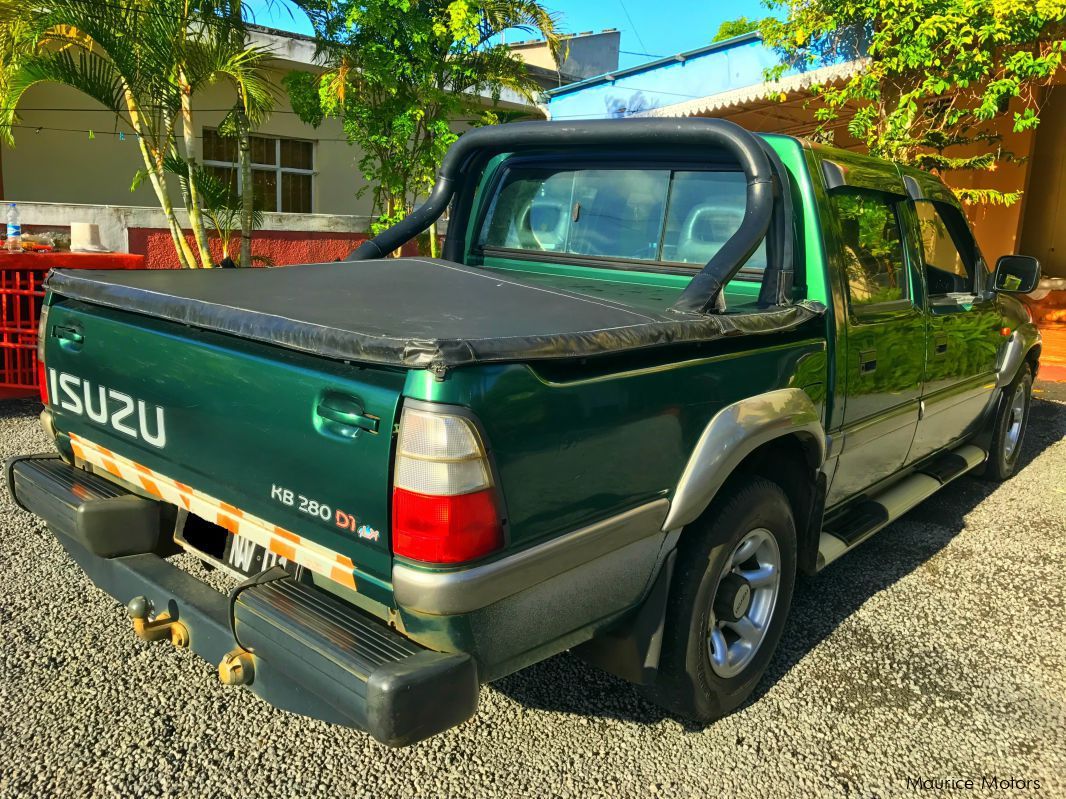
(936, 650)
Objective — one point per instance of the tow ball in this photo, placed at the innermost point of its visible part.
(161, 627)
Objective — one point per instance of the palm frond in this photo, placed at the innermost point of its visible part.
(88, 73)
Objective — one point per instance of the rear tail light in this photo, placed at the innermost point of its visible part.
(42, 334)
(443, 501)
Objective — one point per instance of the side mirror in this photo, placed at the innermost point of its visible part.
(1016, 274)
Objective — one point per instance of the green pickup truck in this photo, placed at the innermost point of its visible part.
(661, 368)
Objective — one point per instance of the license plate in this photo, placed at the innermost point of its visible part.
(248, 558)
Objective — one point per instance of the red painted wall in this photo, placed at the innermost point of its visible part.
(284, 247)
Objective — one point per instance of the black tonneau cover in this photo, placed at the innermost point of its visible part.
(411, 312)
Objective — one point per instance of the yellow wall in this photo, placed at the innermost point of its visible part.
(998, 227)
(1044, 225)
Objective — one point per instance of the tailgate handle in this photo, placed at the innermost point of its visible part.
(346, 411)
(68, 334)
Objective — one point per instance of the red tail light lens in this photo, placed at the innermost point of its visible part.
(444, 529)
(42, 335)
(443, 502)
(42, 382)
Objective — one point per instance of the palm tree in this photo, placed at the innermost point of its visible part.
(144, 60)
(223, 210)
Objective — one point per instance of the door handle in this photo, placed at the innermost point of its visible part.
(867, 361)
(69, 337)
(346, 411)
(940, 345)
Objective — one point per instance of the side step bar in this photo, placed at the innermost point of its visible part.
(846, 533)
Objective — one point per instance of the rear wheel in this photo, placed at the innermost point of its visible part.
(1009, 427)
(729, 600)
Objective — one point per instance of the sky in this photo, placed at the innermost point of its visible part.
(650, 28)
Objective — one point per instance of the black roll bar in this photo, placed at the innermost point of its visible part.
(703, 291)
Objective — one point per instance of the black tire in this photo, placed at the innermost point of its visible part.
(1008, 431)
(687, 683)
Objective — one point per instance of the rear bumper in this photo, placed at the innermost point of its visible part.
(312, 654)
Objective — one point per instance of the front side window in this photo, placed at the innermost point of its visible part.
(282, 170)
(649, 215)
(948, 257)
(872, 243)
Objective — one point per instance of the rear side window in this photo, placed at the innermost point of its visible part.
(674, 217)
(872, 243)
(949, 258)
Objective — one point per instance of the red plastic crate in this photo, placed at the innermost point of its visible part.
(21, 292)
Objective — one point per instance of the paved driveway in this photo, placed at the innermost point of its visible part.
(936, 650)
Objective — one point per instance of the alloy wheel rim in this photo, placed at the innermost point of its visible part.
(743, 603)
(1015, 423)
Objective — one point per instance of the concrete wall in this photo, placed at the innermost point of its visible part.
(61, 166)
(284, 238)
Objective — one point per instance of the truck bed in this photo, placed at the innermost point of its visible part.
(410, 312)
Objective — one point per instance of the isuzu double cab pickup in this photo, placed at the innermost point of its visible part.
(663, 367)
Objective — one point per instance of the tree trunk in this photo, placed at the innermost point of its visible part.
(434, 245)
(196, 221)
(159, 184)
(247, 189)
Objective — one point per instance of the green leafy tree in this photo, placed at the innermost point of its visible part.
(736, 27)
(400, 73)
(939, 74)
(144, 61)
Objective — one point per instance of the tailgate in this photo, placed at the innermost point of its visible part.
(285, 438)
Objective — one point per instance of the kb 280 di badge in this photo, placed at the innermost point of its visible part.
(323, 512)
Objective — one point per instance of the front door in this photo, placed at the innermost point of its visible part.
(964, 328)
(885, 341)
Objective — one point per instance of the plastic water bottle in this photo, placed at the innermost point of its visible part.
(14, 229)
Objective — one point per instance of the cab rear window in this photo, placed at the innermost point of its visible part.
(672, 217)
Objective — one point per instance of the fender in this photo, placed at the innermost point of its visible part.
(632, 650)
(734, 433)
(1017, 348)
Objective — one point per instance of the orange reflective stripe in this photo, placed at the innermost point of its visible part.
(151, 487)
(342, 576)
(283, 543)
(228, 517)
(283, 550)
(283, 533)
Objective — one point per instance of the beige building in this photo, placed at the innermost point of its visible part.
(73, 161)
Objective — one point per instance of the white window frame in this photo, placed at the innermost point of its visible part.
(277, 167)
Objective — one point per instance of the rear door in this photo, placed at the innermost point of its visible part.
(885, 328)
(298, 441)
(964, 325)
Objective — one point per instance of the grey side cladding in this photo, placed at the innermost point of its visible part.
(734, 433)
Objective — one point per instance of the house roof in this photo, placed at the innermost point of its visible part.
(712, 103)
(300, 49)
(610, 77)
